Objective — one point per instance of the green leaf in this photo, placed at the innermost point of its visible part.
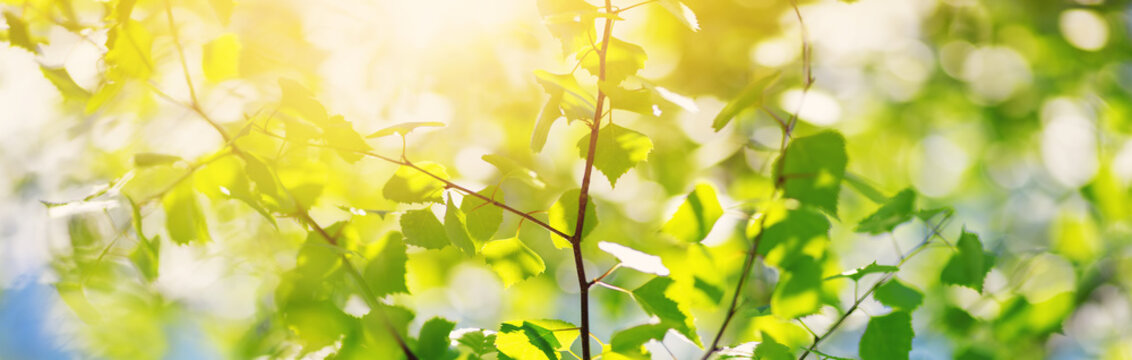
(550, 113)
(682, 13)
(385, 272)
(564, 213)
(622, 60)
(862, 186)
(573, 101)
(511, 168)
(618, 150)
(299, 99)
(411, 186)
(64, 83)
(316, 324)
(632, 340)
(798, 292)
(653, 298)
(146, 255)
(480, 342)
(221, 57)
(534, 339)
(130, 46)
(899, 296)
(317, 259)
(813, 169)
(483, 218)
(183, 216)
(771, 350)
(859, 273)
(422, 228)
(969, 265)
(569, 21)
(803, 234)
(456, 230)
(887, 337)
(154, 159)
(512, 260)
(751, 96)
(338, 133)
(897, 210)
(433, 342)
(957, 321)
(404, 128)
(696, 216)
(18, 32)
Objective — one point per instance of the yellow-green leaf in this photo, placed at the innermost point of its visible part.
(221, 58)
(411, 186)
(422, 228)
(564, 213)
(512, 260)
(696, 216)
(618, 150)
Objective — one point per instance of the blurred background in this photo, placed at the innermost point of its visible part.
(1016, 113)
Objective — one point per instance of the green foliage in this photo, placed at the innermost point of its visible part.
(618, 150)
(813, 168)
(654, 298)
(512, 260)
(432, 344)
(411, 186)
(534, 339)
(887, 337)
(696, 216)
(184, 218)
(564, 213)
(385, 272)
(969, 265)
(423, 229)
(899, 296)
(897, 210)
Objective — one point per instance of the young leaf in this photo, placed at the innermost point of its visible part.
(404, 128)
(897, 210)
(576, 103)
(385, 272)
(129, 51)
(618, 150)
(18, 32)
(899, 296)
(534, 339)
(316, 324)
(569, 21)
(422, 229)
(969, 265)
(798, 292)
(696, 216)
(481, 342)
(653, 299)
(859, 273)
(634, 259)
(887, 337)
(751, 96)
(183, 216)
(457, 232)
(512, 260)
(338, 132)
(681, 12)
(64, 83)
(769, 349)
(433, 342)
(813, 169)
(862, 186)
(550, 113)
(223, 10)
(221, 58)
(622, 60)
(154, 159)
(146, 254)
(298, 98)
(483, 218)
(564, 213)
(631, 341)
(411, 186)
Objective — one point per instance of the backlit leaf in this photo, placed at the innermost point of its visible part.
(183, 216)
(634, 259)
(969, 265)
(534, 339)
(897, 210)
(64, 83)
(899, 296)
(681, 12)
(696, 216)
(130, 45)
(887, 337)
(622, 60)
(512, 260)
(798, 292)
(221, 57)
(422, 228)
(618, 150)
(433, 342)
(483, 218)
(859, 273)
(813, 169)
(18, 32)
(385, 272)
(654, 299)
(411, 186)
(457, 232)
(751, 96)
(564, 213)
